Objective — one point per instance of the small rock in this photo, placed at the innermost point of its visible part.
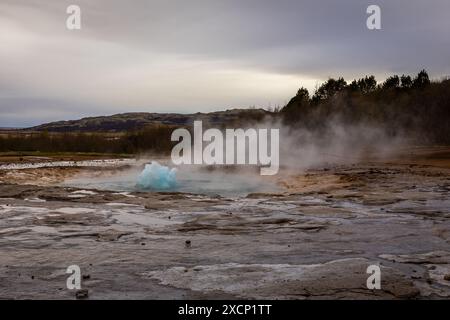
(188, 243)
(86, 276)
(447, 277)
(82, 294)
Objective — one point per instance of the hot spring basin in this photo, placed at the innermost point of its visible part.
(188, 179)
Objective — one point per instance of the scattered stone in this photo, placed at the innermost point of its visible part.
(188, 243)
(82, 294)
(111, 235)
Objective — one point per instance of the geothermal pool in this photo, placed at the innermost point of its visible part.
(314, 241)
(188, 179)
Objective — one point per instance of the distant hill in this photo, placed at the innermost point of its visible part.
(138, 120)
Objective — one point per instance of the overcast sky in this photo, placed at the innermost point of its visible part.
(202, 55)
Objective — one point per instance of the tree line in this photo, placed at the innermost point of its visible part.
(152, 138)
(415, 106)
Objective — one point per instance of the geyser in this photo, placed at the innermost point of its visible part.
(156, 176)
(230, 182)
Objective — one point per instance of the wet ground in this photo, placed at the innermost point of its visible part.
(314, 239)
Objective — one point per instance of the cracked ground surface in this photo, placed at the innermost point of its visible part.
(313, 240)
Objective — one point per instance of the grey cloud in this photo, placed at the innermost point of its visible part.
(288, 36)
(160, 55)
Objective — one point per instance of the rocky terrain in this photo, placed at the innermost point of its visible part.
(313, 240)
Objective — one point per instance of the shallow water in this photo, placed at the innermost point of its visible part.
(230, 184)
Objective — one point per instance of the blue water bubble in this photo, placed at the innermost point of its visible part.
(158, 177)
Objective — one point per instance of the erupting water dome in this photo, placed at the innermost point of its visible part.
(156, 176)
(189, 179)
